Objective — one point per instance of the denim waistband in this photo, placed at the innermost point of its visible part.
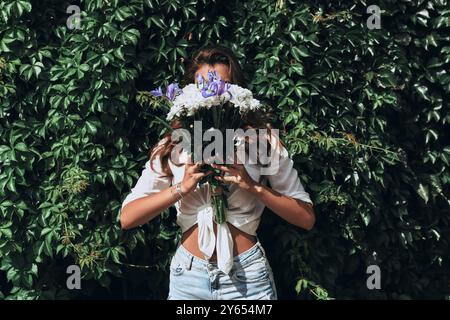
(242, 259)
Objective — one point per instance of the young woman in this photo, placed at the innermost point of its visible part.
(213, 261)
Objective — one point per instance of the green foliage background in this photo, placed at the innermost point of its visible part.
(364, 113)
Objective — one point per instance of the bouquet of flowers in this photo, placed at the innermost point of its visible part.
(219, 106)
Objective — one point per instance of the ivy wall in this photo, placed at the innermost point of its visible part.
(363, 110)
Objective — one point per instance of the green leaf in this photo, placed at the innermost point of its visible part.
(423, 192)
(299, 52)
(21, 147)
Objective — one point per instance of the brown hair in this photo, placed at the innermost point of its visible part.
(210, 55)
(215, 54)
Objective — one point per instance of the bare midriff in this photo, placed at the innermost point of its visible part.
(242, 241)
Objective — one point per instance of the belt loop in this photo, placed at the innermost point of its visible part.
(189, 264)
(262, 249)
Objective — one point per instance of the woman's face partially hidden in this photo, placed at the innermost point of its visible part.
(222, 70)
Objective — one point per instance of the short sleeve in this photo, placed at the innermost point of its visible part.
(283, 177)
(150, 181)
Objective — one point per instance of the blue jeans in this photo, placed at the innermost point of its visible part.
(192, 278)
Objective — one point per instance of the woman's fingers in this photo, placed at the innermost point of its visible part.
(237, 166)
(200, 175)
(197, 166)
(193, 167)
(226, 179)
(221, 168)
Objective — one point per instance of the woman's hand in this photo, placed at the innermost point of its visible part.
(192, 175)
(292, 210)
(236, 174)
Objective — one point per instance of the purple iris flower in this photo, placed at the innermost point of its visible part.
(215, 88)
(213, 76)
(200, 81)
(157, 92)
(214, 85)
(211, 90)
(172, 90)
(222, 87)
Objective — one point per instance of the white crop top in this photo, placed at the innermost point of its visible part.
(244, 209)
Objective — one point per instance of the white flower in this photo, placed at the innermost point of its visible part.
(191, 100)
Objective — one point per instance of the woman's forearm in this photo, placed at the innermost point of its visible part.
(292, 210)
(142, 210)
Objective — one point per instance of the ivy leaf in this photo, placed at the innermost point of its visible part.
(423, 192)
(299, 52)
